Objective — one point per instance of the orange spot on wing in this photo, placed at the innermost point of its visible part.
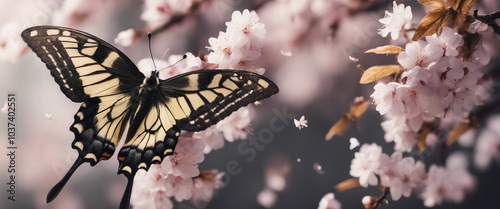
(121, 158)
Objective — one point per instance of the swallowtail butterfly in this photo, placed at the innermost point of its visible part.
(114, 93)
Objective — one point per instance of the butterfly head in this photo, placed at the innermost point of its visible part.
(151, 82)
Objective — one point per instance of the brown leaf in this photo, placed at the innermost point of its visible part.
(358, 109)
(432, 3)
(430, 23)
(388, 49)
(347, 184)
(339, 128)
(460, 129)
(377, 72)
(446, 21)
(466, 5)
(421, 139)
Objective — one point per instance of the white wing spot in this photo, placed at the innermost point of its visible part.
(52, 32)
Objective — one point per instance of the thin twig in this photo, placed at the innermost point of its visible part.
(489, 19)
(381, 199)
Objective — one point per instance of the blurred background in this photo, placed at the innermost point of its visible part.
(317, 81)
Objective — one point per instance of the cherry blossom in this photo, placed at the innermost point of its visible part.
(166, 68)
(187, 154)
(73, 12)
(11, 44)
(477, 27)
(449, 183)
(329, 202)
(127, 37)
(226, 49)
(211, 137)
(179, 187)
(410, 174)
(397, 21)
(447, 43)
(204, 186)
(364, 164)
(248, 23)
(150, 189)
(235, 126)
(240, 45)
(415, 54)
(488, 144)
(156, 13)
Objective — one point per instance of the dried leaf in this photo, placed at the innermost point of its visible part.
(388, 49)
(460, 129)
(377, 72)
(430, 23)
(453, 3)
(347, 184)
(470, 42)
(358, 109)
(421, 139)
(339, 128)
(432, 3)
(466, 5)
(446, 21)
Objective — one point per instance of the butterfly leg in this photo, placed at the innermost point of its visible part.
(132, 158)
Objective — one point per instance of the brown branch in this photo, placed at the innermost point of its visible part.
(489, 19)
(381, 199)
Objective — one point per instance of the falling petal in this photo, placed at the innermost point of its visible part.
(5, 107)
(354, 143)
(317, 167)
(286, 53)
(49, 116)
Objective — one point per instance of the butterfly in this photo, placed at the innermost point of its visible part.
(114, 94)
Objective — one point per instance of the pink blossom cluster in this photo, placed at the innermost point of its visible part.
(69, 13)
(437, 83)
(404, 175)
(177, 177)
(293, 20)
(157, 13)
(239, 46)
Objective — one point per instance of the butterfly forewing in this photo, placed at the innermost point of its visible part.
(83, 65)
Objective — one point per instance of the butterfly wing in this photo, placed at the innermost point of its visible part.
(191, 101)
(199, 99)
(91, 71)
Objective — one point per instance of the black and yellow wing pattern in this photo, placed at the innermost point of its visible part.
(114, 94)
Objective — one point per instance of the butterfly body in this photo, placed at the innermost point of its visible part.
(115, 94)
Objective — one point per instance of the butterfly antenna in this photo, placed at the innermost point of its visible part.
(151, 53)
(183, 58)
